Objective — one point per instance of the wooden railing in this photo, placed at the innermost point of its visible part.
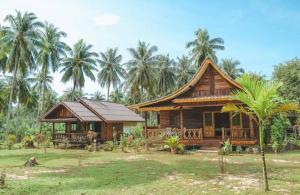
(236, 133)
(71, 137)
(183, 134)
(192, 134)
(216, 92)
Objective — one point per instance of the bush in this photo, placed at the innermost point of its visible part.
(109, 146)
(226, 148)
(123, 143)
(10, 141)
(239, 149)
(40, 138)
(27, 142)
(137, 143)
(89, 148)
(279, 123)
(180, 149)
(172, 142)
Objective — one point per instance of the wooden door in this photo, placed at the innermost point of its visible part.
(209, 128)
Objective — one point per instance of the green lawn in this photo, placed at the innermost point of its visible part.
(82, 172)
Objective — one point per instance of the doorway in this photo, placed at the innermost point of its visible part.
(222, 120)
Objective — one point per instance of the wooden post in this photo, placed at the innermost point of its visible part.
(146, 126)
(251, 128)
(223, 133)
(53, 128)
(181, 119)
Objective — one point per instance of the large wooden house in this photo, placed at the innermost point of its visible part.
(80, 117)
(194, 111)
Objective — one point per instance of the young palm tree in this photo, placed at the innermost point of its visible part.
(142, 68)
(98, 96)
(51, 49)
(261, 102)
(230, 66)
(184, 71)
(116, 96)
(111, 69)
(80, 63)
(19, 39)
(71, 95)
(203, 46)
(166, 75)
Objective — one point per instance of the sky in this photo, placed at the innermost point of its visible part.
(260, 34)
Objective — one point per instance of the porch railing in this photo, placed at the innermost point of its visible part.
(183, 134)
(236, 133)
(71, 137)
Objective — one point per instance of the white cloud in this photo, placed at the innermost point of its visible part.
(107, 20)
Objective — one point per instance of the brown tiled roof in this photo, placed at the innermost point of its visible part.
(111, 111)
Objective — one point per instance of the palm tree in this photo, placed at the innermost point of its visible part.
(81, 62)
(71, 95)
(261, 102)
(184, 71)
(111, 69)
(203, 46)
(19, 39)
(230, 66)
(141, 68)
(51, 49)
(98, 96)
(166, 77)
(116, 96)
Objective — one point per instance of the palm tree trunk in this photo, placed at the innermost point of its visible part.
(108, 87)
(262, 152)
(73, 90)
(11, 99)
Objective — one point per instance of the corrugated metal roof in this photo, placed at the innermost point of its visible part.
(81, 111)
(112, 111)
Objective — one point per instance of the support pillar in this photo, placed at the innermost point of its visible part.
(146, 125)
(251, 128)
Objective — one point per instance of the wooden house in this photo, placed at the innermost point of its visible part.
(194, 111)
(80, 117)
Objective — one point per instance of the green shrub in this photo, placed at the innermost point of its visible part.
(109, 146)
(180, 149)
(89, 148)
(239, 149)
(27, 142)
(123, 143)
(226, 148)
(173, 142)
(279, 123)
(137, 143)
(10, 141)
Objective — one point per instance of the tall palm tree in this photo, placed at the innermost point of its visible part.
(20, 37)
(261, 102)
(141, 74)
(116, 96)
(230, 66)
(80, 63)
(203, 46)
(51, 49)
(166, 77)
(70, 95)
(97, 96)
(184, 71)
(111, 69)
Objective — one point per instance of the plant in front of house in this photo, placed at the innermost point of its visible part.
(123, 143)
(174, 144)
(279, 123)
(261, 103)
(10, 141)
(28, 141)
(109, 146)
(225, 149)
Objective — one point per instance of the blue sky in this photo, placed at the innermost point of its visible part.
(260, 34)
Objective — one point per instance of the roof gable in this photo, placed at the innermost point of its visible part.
(189, 86)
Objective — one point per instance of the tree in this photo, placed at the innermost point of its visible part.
(261, 102)
(289, 74)
(111, 69)
(184, 71)
(166, 75)
(230, 66)
(51, 49)
(142, 68)
(19, 39)
(81, 62)
(71, 95)
(116, 96)
(98, 96)
(202, 46)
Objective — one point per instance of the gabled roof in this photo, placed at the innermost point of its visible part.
(111, 112)
(78, 110)
(200, 72)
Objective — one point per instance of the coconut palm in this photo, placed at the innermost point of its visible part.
(97, 96)
(70, 95)
(141, 74)
(19, 39)
(80, 63)
(51, 49)
(230, 66)
(203, 46)
(111, 69)
(166, 77)
(261, 102)
(116, 96)
(184, 71)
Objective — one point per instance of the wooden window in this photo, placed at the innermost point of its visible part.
(92, 126)
(174, 119)
(208, 119)
(236, 120)
(73, 126)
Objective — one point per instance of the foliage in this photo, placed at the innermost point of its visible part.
(174, 144)
(202, 46)
(97, 96)
(123, 143)
(2, 179)
(136, 132)
(10, 141)
(288, 74)
(28, 141)
(109, 146)
(230, 66)
(40, 138)
(226, 148)
(137, 143)
(116, 96)
(184, 71)
(279, 123)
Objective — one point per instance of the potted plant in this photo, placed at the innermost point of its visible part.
(173, 143)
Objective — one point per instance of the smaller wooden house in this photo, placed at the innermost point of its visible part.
(80, 117)
(193, 112)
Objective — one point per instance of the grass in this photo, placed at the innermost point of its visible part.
(82, 172)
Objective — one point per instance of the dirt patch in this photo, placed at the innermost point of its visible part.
(285, 161)
(27, 173)
(16, 177)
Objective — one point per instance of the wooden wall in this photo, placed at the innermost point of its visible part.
(107, 130)
(61, 112)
